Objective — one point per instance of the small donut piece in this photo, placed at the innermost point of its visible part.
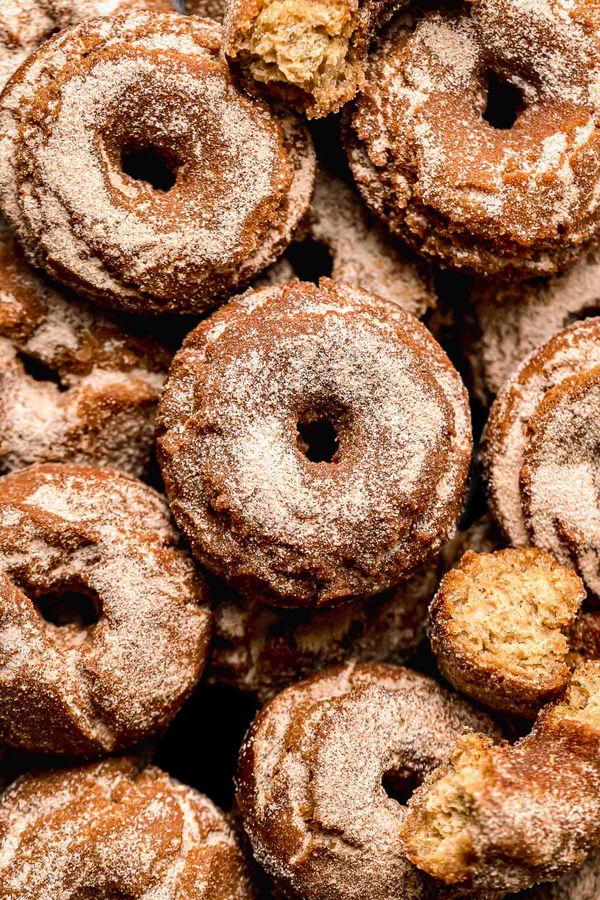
(25, 24)
(499, 627)
(262, 649)
(514, 202)
(94, 396)
(363, 252)
(507, 321)
(191, 188)
(312, 772)
(104, 624)
(311, 54)
(315, 442)
(505, 817)
(113, 829)
(540, 452)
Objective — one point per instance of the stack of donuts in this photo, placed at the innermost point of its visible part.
(299, 453)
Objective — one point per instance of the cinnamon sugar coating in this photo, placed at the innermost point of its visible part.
(211, 9)
(508, 321)
(115, 829)
(311, 55)
(500, 624)
(250, 395)
(513, 202)
(506, 817)
(104, 625)
(262, 649)
(310, 779)
(540, 451)
(133, 170)
(95, 397)
(582, 884)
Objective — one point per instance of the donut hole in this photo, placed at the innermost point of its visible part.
(318, 439)
(154, 165)
(504, 102)
(75, 608)
(400, 786)
(40, 372)
(310, 260)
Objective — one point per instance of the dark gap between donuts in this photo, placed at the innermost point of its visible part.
(400, 786)
(69, 607)
(151, 164)
(310, 260)
(38, 371)
(318, 440)
(504, 102)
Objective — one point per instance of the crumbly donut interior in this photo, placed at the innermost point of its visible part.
(439, 840)
(582, 700)
(304, 43)
(511, 608)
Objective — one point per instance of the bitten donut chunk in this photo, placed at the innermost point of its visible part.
(540, 451)
(134, 171)
(312, 772)
(314, 442)
(459, 183)
(311, 55)
(75, 384)
(25, 24)
(506, 817)
(499, 627)
(103, 621)
(114, 829)
(262, 649)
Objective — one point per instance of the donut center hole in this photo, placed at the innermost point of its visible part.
(77, 609)
(400, 786)
(504, 102)
(310, 260)
(155, 166)
(318, 439)
(38, 371)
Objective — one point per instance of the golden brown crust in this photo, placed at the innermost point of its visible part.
(503, 818)
(311, 54)
(94, 396)
(510, 202)
(310, 779)
(257, 509)
(104, 625)
(499, 626)
(116, 829)
(99, 99)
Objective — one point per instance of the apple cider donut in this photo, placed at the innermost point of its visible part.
(113, 829)
(311, 54)
(454, 180)
(315, 442)
(104, 625)
(318, 770)
(540, 451)
(506, 321)
(262, 649)
(506, 817)
(499, 627)
(75, 384)
(191, 188)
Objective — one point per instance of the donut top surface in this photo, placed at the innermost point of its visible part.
(112, 830)
(104, 630)
(250, 397)
(104, 102)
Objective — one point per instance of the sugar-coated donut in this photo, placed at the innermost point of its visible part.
(262, 649)
(506, 321)
(459, 185)
(25, 24)
(310, 55)
(499, 626)
(133, 170)
(75, 384)
(582, 884)
(105, 625)
(540, 451)
(314, 442)
(312, 773)
(116, 830)
(506, 817)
